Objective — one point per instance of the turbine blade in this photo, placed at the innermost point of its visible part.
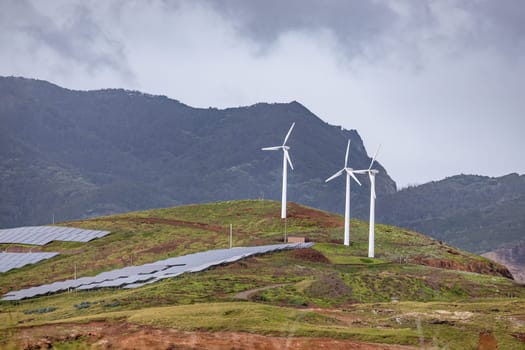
(346, 157)
(335, 175)
(375, 156)
(271, 148)
(288, 135)
(288, 158)
(353, 176)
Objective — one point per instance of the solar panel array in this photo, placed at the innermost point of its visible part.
(9, 261)
(41, 235)
(137, 276)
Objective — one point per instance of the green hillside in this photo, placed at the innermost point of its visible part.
(417, 291)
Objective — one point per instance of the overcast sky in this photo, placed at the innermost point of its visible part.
(441, 84)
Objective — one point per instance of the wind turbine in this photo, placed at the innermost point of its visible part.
(371, 229)
(349, 173)
(286, 158)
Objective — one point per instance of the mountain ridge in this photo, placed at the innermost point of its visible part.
(460, 207)
(120, 150)
(73, 154)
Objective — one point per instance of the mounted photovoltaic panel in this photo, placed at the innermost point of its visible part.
(144, 269)
(88, 286)
(112, 275)
(138, 276)
(137, 285)
(124, 281)
(42, 235)
(79, 281)
(234, 258)
(176, 270)
(9, 261)
(114, 283)
(58, 286)
(199, 267)
(158, 277)
(163, 277)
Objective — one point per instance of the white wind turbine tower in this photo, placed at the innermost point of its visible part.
(372, 175)
(349, 173)
(286, 158)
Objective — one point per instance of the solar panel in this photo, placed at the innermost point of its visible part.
(41, 235)
(137, 276)
(176, 270)
(123, 281)
(9, 261)
(171, 275)
(88, 286)
(136, 285)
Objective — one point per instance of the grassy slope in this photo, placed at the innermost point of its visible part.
(358, 287)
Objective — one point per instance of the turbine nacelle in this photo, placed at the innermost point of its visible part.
(348, 171)
(371, 173)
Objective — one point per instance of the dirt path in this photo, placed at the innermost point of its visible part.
(104, 335)
(248, 293)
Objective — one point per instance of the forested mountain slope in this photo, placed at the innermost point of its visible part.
(75, 154)
(477, 213)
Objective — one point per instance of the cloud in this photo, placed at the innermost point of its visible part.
(439, 83)
(67, 37)
(353, 23)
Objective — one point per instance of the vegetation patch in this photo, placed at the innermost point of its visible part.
(83, 305)
(43, 310)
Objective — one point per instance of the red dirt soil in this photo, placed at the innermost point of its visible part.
(487, 341)
(104, 335)
(308, 254)
(478, 267)
(320, 218)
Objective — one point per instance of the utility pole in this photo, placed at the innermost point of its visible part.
(231, 236)
(284, 230)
